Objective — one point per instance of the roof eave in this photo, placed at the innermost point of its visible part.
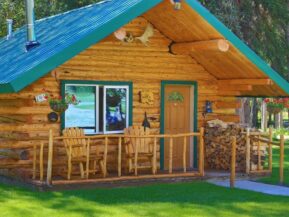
(239, 44)
(7, 88)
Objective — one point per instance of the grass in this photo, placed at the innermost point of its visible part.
(183, 199)
(274, 179)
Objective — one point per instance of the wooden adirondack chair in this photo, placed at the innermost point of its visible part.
(78, 151)
(139, 149)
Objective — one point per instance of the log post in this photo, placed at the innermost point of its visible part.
(233, 162)
(87, 158)
(281, 167)
(34, 161)
(119, 157)
(201, 153)
(171, 155)
(136, 156)
(105, 156)
(155, 156)
(248, 151)
(259, 154)
(50, 158)
(270, 149)
(185, 154)
(41, 161)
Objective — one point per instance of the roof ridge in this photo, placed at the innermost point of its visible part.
(73, 10)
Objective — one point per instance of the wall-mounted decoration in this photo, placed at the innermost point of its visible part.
(120, 34)
(175, 97)
(147, 97)
(59, 104)
(149, 32)
(52, 117)
(123, 35)
(146, 123)
(41, 97)
(177, 4)
(208, 107)
(128, 37)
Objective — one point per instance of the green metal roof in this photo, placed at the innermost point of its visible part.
(62, 37)
(65, 35)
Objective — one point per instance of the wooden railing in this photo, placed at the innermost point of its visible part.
(265, 139)
(120, 138)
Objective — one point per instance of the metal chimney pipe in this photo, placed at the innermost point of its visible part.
(9, 29)
(31, 36)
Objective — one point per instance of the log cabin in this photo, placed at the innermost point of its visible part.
(178, 64)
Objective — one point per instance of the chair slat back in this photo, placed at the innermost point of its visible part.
(144, 144)
(78, 146)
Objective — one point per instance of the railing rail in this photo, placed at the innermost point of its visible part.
(266, 139)
(119, 138)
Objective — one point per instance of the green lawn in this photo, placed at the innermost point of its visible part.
(274, 179)
(177, 200)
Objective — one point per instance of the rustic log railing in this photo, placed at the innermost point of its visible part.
(259, 138)
(233, 162)
(120, 138)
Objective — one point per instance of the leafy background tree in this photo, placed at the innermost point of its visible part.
(263, 24)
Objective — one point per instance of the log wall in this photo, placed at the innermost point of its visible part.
(23, 122)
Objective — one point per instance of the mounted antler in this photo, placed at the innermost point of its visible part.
(149, 32)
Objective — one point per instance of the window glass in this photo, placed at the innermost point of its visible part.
(83, 114)
(115, 108)
(102, 109)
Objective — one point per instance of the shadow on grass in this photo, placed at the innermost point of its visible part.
(188, 199)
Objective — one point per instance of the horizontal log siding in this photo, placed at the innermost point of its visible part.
(23, 122)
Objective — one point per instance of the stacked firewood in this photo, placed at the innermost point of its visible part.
(218, 146)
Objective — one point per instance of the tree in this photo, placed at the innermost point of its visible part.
(263, 24)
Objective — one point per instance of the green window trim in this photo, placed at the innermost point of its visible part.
(162, 118)
(106, 83)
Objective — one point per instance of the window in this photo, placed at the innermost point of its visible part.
(102, 108)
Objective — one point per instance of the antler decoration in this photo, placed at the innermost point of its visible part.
(149, 32)
(128, 37)
(177, 4)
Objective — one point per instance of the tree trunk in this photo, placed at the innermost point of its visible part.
(245, 112)
(254, 113)
(278, 120)
(264, 119)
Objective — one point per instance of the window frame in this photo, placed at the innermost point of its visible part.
(113, 84)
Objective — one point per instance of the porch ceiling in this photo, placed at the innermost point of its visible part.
(194, 32)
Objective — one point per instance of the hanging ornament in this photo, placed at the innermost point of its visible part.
(146, 123)
(177, 4)
(120, 34)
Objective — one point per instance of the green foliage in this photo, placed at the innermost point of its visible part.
(175, 97)
(263, 24)
(274, 179)
(280, 131)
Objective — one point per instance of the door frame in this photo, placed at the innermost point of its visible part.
(194, 84)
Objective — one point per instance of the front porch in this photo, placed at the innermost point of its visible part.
(50, 168)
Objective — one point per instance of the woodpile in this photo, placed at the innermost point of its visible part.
(218, 146)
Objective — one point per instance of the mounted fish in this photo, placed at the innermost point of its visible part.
(149, 32)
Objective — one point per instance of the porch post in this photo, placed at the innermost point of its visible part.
(50, 157)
